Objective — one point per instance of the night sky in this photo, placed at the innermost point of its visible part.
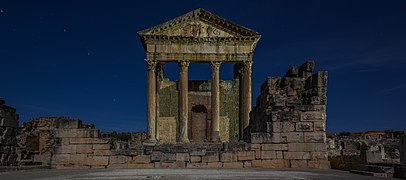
(83, 59)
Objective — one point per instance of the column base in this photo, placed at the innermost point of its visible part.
(215, 137)
(151, 141)
(184, 140)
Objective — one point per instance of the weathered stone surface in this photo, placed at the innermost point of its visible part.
(141, 166)
(233, 164)
(228, 157)
(274, 147)
(195, 159)
(245, 155)
(196, 165)
(296, 155)
(102, 146)
(83, 148)
(141, 159)
(298, 163)
(268, 154)
(118, 159)
(403, 150)
(182, 157)
(315, 137)
(319, 164)
(304, 126)
(273, 163)
(214, 165)
(211, 157)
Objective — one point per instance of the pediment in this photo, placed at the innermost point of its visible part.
(199, 24)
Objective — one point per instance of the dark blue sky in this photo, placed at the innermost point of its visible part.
(83, 58)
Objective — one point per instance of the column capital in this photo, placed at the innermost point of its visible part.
(215, 64)
(151, 64)
(246, 67)
(183, 65)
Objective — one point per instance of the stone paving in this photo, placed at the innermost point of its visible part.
(181, 174)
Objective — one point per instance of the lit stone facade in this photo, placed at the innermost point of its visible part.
(198, 37)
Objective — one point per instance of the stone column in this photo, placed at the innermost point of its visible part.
(183, 102)
(245, 97)
(215, 101)
(151, 101)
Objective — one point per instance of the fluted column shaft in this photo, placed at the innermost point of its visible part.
(215, 100)
(151, 100)
(183, 102)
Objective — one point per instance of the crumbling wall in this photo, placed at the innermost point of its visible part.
(8, 133)
(289, 119)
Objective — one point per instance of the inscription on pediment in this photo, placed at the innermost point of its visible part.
(196, 29)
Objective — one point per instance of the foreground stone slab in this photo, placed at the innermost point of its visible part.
(183, 174)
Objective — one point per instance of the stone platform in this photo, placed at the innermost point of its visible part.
(184, 174)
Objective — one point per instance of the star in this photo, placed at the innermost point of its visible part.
(88, 53)
(64, 30)
(1, 11)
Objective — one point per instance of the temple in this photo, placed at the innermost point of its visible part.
(217, 111)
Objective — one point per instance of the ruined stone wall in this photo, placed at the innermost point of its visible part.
(290, 115)
(403, 150)
(8, 133)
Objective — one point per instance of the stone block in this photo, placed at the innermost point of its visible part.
(66, 149)
(296, 155)
(319, 164)
(164, 157)
(282, 127)
(141, 166)
(300, 147)
(313, 116)
(68, 123)
(272, 163)
(195, 159)
(403, 150)
(77, 133)
(182, 157)
(196, 165)
(320, 126)
(84, 149)
(268, 154)
(258, 138)
(141, 159)
(315, 137)
(274, 147)
(254, 146)
(318, 156)
(177, 164)
(102, 152)
(102, 146)
(98, 160)
(228, 157)
(247, 164)
(304, 126)
(321, 108)
(214, 165)
(236, 165)
(211, 157)
(245, 155)
(9, 122)
(88, 141)
(279, 154)
(118, 159)
(257, 154)
(78, 159)
(293, 137)
(291, 116)
(298, 164)
(61, 158)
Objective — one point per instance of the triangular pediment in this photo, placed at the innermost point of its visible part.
(199, 24)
